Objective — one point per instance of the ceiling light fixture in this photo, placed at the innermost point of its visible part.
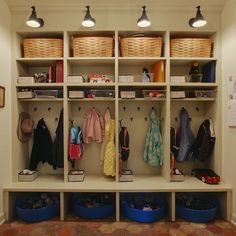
(199, 20)
(33, 20)
(143, 21)
(88, 21)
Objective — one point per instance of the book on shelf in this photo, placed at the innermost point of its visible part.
(59, 71)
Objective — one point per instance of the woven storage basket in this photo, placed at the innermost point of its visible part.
(92, 46)
(141, 46)
(43, 47)
(190, 47)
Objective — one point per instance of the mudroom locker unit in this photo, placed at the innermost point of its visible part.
(130, 103)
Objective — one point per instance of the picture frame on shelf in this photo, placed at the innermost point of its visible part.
(2, 96)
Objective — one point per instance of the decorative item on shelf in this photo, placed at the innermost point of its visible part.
(190, 47)
(127, 94)
(88, 21)
(208, 72)
(153, 94)
(206, 175)
(84, 46)
(25, 93)
(76, 176)
(55, 72)
(33, 20)
(143, 21)
(198, 20)
(76, 94)
(195, 75)
(141, 46)
(158, 70)
(26, 80)
(99, 78)
(42, 47)
(41, 77)
(177, 94)
(2, 96)
(75, 79)
(126, 176)
(146, 76)
(126, 78)
(27, 175)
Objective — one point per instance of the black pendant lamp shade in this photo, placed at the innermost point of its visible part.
(88, 21)
(33, 20)
(198, 21)
(143, 21)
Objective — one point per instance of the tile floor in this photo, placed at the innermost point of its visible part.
(126, 228)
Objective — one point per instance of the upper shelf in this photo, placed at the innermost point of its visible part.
(38, 61)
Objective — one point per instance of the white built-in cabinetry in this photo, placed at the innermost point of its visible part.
(134, 114)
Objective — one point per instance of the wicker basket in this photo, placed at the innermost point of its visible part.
(191, 47)
(141, 46)
(92, 46)
(43, 47)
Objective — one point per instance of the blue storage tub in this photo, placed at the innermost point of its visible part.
(92, 213)
(198, 216)
(34, 215)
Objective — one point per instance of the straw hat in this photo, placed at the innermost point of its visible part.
(25, 127)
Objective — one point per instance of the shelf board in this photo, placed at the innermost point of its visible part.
(142, 84)
(39, 61)
(40, 85)
(91, 99)
(93, 183)
(91, 84)
(193, 99)
(92, 61)
(40, 99)
(139, 61)
(202, 85)
(180, 61)
(142, 99)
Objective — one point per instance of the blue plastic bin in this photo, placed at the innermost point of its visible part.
(34, 215)
(198, 216)
(92, 213)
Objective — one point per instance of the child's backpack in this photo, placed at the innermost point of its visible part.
(204, 143)
(185, 137)
(124, 143)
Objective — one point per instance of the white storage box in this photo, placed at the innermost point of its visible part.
(103, 93)
(177, 94)
(126, 78)
(177, 79)
(75, 79)
(76, 94)
(46, 93)
(76, 176)
(126, 176)
(25, 94)
(26, 80)
(127, 94)
(29, 177)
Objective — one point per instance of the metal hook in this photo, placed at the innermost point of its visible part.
(176, 119)
(124, 108)
(138, 108)
(145, 118)
(79, 108)
(49, 108)
(131, 118)
(197, 108)
(56, 119)
(35, 108)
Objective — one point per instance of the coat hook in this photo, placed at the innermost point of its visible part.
(153, 108)
(108, 108)
(176, 119)
(131, 118)
(145, 118)
(49, 108)
(35, 108)
(197, 108)
(56, 119)
(190, 119)
(124, 108)
(138, 108)
(79, 108)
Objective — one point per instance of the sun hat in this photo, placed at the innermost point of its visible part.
(25, 127)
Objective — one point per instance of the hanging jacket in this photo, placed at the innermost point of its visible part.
(42, 146)
(93, 128)
(153, 149)
(75, 143)
(58, 145)
(124, 143)
(109, 165)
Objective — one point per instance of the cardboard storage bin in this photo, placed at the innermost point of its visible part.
(126, 176)
(76, 176)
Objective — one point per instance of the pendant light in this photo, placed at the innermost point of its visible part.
(143, 21)
(88, 21)
(33, 20)
(199, 20)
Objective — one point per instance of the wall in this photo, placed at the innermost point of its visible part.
(228, 68)
(5, 113)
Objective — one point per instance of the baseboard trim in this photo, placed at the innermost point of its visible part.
(233, 220)
(1, 218)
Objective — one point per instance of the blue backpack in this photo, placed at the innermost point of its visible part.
(185, 137)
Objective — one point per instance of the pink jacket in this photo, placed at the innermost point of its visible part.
(93, 130)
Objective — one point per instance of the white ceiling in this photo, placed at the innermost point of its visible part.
(209, 5)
